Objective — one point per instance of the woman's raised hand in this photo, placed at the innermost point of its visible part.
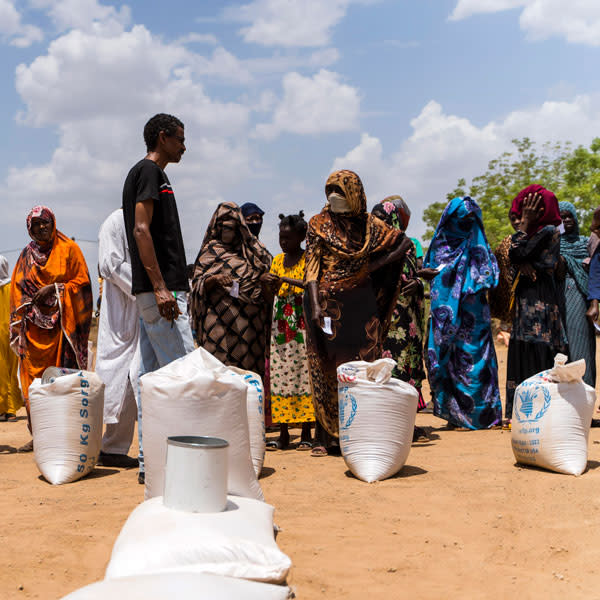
(533, 209)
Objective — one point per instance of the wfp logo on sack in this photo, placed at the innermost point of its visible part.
(257, 383)
(347, 404)
(532, 402)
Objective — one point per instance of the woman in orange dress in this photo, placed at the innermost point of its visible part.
(50, 303)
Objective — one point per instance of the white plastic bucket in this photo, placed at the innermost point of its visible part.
(196, 473)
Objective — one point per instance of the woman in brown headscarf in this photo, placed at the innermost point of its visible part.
(347, 281)
(232, 292)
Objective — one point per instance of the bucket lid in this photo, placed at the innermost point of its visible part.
(197, 441)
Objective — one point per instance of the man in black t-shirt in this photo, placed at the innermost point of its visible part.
(158, 263)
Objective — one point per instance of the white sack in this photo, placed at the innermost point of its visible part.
(256, 417)
(66, 419)
(238, 542)
(197, 395)
(377, 418)
(552, 414)
(179, 586)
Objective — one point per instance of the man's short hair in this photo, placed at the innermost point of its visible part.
(158, 123)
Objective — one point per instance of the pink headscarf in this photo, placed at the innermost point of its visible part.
(551, 215)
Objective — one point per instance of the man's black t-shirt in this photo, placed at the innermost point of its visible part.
(147, 181)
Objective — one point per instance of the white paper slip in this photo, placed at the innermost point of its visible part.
(234, 292)
(440, 268)
(561, 228)
(327, 326)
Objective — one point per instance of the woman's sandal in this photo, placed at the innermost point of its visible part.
(507, 425)
(277, 444)
(11, 417)
(304, 445)
(319, 451)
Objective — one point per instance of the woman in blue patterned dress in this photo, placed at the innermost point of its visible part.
(461, 359)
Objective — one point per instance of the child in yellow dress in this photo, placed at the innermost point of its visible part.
(291, 400)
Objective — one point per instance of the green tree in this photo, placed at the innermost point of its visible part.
(507, 175)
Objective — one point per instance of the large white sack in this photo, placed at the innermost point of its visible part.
(66, 422)
(551, 419)
(377, 418)
(238, 542)
(179, 586)
(197, 395)
(256, 417)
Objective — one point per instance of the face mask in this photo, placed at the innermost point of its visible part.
(337, 203)
(255, 228)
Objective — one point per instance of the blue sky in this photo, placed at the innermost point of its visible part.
(275, 94)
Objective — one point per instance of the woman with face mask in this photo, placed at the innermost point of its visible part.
(351, 288)
(253, 215)
(51, 303)
(580, 333)
(232, 292)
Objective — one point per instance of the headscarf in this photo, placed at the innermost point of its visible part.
(574, 249)
(461, 247)
(353, 189)
(246, 259)
(249, 208)
(551, 214)
(40, 254)
(4, 274)
(393, 211)
(348, 240)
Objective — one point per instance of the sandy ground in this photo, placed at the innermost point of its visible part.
(461, 520)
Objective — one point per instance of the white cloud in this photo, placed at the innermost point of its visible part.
(86, 15)
(85, 76)
(444, 147)
(12, 28)
(98, 91)
(289, 23)
(198, 38)
(468, 8)
(578, 20)
(313, 106)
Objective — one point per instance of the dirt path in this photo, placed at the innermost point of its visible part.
(461, 520)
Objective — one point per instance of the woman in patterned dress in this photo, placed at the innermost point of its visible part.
(538, 331)
(51, 303)
(291, 398)
(404, 342)
(351, 279)
(232, 292)
(461, 359)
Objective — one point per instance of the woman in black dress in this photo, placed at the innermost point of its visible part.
(538, 330)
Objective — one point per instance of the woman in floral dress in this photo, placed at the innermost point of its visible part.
(291, 398)
(404, 341)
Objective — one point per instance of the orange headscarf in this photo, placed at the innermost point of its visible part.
(56, 332)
